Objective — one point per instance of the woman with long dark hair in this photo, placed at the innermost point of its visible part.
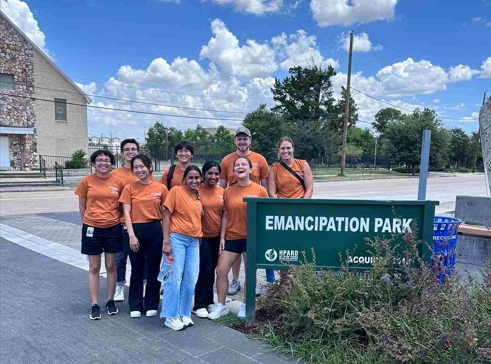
(143, 206)
(98, 204)
(182, 230)
(211, 195)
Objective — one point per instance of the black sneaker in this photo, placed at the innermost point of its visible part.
(95, 312)
(111, 308)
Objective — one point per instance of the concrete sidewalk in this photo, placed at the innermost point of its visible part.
(44, 306)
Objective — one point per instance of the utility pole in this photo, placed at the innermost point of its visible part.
(346, 109)
(476, 151)
(375, 157)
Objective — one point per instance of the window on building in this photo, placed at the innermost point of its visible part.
(60, 109)
(6, 81)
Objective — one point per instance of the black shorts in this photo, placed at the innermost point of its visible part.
(107, 240)
(238, 246)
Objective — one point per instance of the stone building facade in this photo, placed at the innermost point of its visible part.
(31, 88)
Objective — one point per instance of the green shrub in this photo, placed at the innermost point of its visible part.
(396, 313)
(78, 160)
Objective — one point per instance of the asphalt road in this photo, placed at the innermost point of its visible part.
(441, 187)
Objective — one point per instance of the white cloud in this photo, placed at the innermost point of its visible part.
(470, 119)
(347, 12)
(299, 49)
(170, 1)
(436, 101)
(409, 77)
(477, 19)
(461, 73)
(361, 43)
(256, 7)
(250, 60)
(89, 89)
(486, 68)
(21, 15)
(180, 73)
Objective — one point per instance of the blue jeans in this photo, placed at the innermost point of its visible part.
(179, 287)
(270, 275)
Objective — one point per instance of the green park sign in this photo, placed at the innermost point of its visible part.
(279, 230)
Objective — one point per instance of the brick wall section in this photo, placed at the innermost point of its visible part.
(60, 138)
(17, 107)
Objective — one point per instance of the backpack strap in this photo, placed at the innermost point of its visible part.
(170, 175)
(295, 174)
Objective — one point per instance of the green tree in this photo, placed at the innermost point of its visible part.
(306, 95)
(405, 139)
(222, 143)
(79, 160)
(385, 117)
(460, 148)
(476, 150)
(362, 139)
(341, 105)
(160, 140)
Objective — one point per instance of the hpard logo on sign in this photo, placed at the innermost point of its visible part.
(271, 255)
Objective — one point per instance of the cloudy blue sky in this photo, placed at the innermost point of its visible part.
(212, 61)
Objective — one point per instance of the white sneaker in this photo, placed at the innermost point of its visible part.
(119, 294)
(135, 314)
(219, 311)
(187, 321)
(151, 313)
(234, 287)
(174, 324)
(201, 313)
(210, 307)
(242, 311)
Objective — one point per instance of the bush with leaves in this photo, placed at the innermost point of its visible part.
(397, 312)
(78, 160)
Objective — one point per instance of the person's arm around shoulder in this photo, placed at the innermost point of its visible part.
(308, 179)
(272, 188)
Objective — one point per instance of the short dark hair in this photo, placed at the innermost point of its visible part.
(127, 141)
(209, 165)
(190, 168)
(145, 160)
(184, 144)
(105, 152)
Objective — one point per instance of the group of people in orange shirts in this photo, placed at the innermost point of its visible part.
(180, 232)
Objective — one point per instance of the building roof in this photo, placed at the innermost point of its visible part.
(41, 52)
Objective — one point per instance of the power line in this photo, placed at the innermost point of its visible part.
(399, 107)
(123, 110)
(130, 100)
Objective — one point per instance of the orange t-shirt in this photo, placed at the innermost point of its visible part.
(102, 196)
(237, 208)
(287, 186)
(146, 201)
(186, 212)
(212, 200)
(126, 174)
(260, 168)
(176, 178)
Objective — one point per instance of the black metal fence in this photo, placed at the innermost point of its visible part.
(48, 162)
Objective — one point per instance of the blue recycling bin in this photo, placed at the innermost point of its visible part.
(445, 231)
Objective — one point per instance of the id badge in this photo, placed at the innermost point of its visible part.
(90, 232)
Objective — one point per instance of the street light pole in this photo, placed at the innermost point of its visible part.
(375, 158)
(346, 109)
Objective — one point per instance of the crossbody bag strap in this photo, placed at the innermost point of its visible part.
(295, 174)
